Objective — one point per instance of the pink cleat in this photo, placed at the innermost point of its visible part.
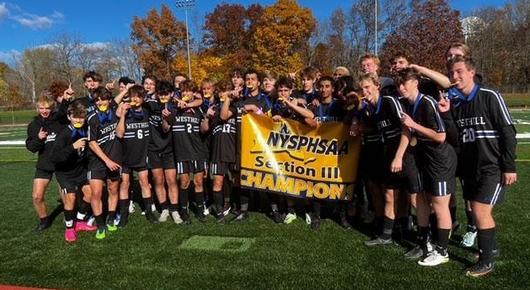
(84, 226)
(70, 235)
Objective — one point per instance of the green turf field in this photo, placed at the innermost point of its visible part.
(254, 255)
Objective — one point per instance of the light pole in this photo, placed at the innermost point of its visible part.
(375, 21)
(186, 5)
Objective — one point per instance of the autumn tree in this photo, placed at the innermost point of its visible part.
(158, 39)
(228, 33)
(500, 42)
(281, 37)
(425, 34)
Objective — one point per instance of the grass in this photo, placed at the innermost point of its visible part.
(278, 256)
(16, 117)
(517, 100)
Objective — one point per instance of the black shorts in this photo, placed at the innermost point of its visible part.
(129, 170)
(157, 160)
(371, 162)
(43, 174)
(101, 172)
(487, 189)
(439, 186)
(71, 184)
(408, 178)
(221, 168)
(191, 166)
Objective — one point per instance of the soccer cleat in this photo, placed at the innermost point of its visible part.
(131, 207)
(434, 258)
(185, 217)
(101, 234)
(277, 217)
(378, 242)
(176, 217)
(112, 228)
(124, 220)
(308, 218)
(206, 210)
(345, 224)
(164, 215)
(418, 252)
(220, 219)
(468, 240)
(83, 226)
(226, 209)
(200, 214)
(289, 218)
(242, 217)
(150, 216)
(315, 223)
(42, 227)
(91, 221)
(414, 254)
(479, 270)
(70, 235)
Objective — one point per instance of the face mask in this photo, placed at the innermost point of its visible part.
(103, 108)
(78, 125)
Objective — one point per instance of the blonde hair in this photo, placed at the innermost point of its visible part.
(372, 77)
(462, 46)
(46, 99)
(376, 59)
(344, 69)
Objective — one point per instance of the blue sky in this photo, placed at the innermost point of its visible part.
(29, 23)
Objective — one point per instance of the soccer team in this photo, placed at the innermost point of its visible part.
(421, 130)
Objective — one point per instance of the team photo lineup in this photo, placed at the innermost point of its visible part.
(423, 134)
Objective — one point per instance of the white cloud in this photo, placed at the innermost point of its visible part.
(33, 21)
(57, 15)
(3, 10)
(9, 57)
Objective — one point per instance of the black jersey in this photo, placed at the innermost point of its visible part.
(307, 96)
(429, 87)
(432, 156)
(387, 117)
(69, 162)
(371, 136)
(279, 108)
(102, 129)
(333, 111)
(160, 141)
(188, 144)
(388, 87)
(224, 136)
(43, 147)
(487, 133)
(262, 101)
(136, 139)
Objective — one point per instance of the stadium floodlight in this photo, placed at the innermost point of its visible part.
(186, 5)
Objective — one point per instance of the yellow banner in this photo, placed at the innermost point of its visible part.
(291, 158)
